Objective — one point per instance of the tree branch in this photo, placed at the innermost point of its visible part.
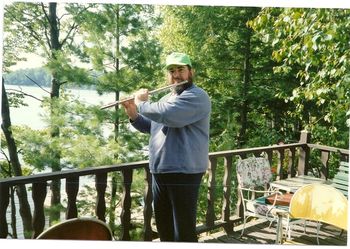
(3, 169)
(74, 27)
(6, 157)
(37, 84)
(25, 94)
(63, 82)
(34, 34)
(46, 28)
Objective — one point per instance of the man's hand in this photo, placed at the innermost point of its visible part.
(140, 96)
(130, 109)
(130, 106)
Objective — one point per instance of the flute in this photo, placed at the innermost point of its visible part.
(161, 89)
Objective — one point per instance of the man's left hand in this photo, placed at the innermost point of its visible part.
(141, 96)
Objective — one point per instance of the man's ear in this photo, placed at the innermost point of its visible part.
(193, 71)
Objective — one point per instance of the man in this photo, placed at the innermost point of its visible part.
(178, 148)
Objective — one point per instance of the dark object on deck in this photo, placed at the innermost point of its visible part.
(78, 229)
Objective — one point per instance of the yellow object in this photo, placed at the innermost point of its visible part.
(316, 202)
(320, 202)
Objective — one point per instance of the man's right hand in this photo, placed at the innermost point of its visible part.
(130, 109)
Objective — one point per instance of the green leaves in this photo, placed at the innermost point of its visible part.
(314, 43)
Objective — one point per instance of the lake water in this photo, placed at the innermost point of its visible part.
(31, 116)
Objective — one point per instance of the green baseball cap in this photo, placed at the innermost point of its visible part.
(177, 59)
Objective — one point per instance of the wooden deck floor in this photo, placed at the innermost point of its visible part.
(259, 232)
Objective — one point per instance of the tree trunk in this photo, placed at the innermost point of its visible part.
(24, 207)
(246, 84)
(55, 131)
(113, 202)
(55, 161)
(117, 65)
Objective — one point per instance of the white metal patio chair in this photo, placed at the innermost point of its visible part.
(253, 176)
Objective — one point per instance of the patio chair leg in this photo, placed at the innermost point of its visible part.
(318, 231)
(279, 231)
(270, 224)
(244, 221)
(288, 231)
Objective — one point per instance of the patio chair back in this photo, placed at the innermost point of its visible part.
(320, 202)
(253, 172)
(78, 229)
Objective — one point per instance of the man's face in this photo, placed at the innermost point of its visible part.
(179, 73)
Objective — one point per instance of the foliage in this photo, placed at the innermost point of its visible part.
(235, 68)
(313, 45)
(119, 43)
(64, 70)
(83, 141)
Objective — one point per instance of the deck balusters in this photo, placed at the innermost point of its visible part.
(72, 188)
(210, 215)
(126, 205)
(39, 191)
(304, 153)
(298, 162)
(280, 161)
(4, 202)
(101, 184)
(239, 203)
(269, 154)
(227, 182)
(292, 156)
(324, 159)
(148, 210)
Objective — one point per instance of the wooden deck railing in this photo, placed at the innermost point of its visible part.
(291, 159)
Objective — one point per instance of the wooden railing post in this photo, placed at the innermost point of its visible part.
(210, 215)
(39, 191)
(72, 188)
(279, 170)
(101, 185)
(125, 216)
(324, 159)
(4, 202)
(291, 163)
(148, 210)
(304, 155)
(227, 195)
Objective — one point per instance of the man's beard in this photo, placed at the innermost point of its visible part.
(179, 89)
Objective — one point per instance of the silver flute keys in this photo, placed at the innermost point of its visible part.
(161, 89)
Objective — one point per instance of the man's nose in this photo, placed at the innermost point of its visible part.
(175, 73)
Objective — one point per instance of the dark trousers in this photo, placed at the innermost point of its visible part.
(175, 198)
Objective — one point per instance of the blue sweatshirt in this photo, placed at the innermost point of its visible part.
(179, 129)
